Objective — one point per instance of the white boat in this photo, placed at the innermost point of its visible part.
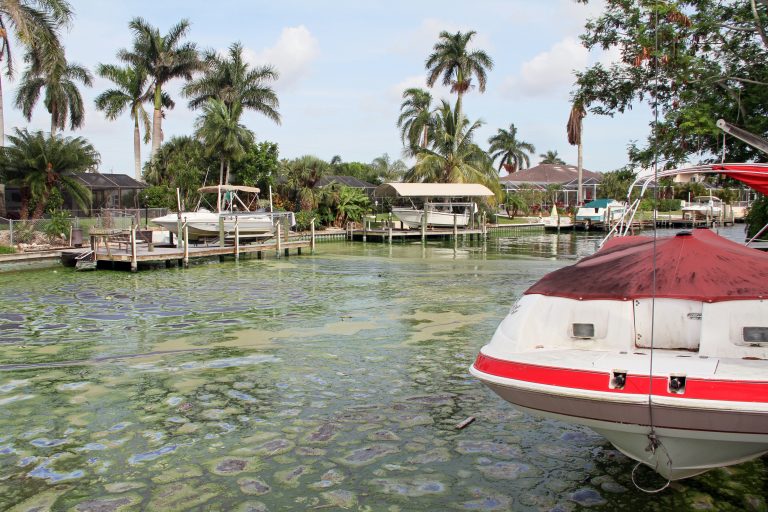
(600, 211)
(438, 215)
(703, 206)
(555, 220)
(232, 212)
(658, 344)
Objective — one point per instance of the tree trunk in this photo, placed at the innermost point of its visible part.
(221, 171)
(425, 138)
(579, 194)
(137, 150)
(157, 119)
(226, 178)
(2, 117)
(41, 204)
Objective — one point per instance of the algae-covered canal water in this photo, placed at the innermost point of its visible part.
(326, 382)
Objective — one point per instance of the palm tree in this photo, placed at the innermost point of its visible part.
(129, 93)
(37, 164)
(551, 157)
(299, 179)
(574, 139)
(163, 58)
(452, 156)
(452, 61)
(388, 170)
(513, 153)
(62, 98)
(233, 81)
(218, 126)
(415, 118)
(35, 23)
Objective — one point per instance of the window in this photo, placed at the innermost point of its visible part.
(583, 330)
(755, 335)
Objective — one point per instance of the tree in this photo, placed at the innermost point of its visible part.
(514, 204)
(164, 58)
(232, 81)
(452, 61)
(62, 98)
(453, 157)
(551, 157)
(574, 139)
(694, 61)
(339, 204)
(218, 126)
(129, 93)
(35, 24)
(38, 164)
(415, 118)
(615, 184)
(259, 166)
(512, 153)
(299, 177)
(388, 170)
(181, 163)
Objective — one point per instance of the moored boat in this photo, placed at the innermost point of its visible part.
(438, 215)
(658, 344)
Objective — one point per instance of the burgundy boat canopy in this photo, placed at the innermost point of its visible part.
(755, 176)
(698, 265)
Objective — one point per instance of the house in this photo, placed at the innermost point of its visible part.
(564, 176)
(107, 191)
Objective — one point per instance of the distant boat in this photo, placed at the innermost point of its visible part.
(555, 220)
(438, 215)
(600, 211)
(232, 211)
(704, 206)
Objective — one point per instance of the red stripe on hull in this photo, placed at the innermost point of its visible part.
(700, 389)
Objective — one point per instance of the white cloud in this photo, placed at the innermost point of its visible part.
(421, 40)
(550, 71)
(292, 55)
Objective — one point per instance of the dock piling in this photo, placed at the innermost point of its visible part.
(312, 236)
(186, 243)
(134, 260)
(237, 239)
(278, 245)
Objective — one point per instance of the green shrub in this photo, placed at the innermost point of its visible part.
(757, 217)
(57, 226)
(304, 219)
(5, 249)
(23, 232)
(663, 205)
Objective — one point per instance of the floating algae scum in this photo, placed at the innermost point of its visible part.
(332, 381)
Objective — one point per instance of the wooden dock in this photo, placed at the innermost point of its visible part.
(116, 249)
(389, 233)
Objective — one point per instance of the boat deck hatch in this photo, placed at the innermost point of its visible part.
(584, 331)
(755, 336)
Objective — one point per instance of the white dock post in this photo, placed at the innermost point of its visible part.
(365, 229)
(277, 241)
(134, 260)
(455, 233)
(424, 223)
(312, 236)
(186, 243)
(389, 226)
(237, 238)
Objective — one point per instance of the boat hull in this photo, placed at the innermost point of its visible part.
(206, 224)
(413, 218)
(693, 436)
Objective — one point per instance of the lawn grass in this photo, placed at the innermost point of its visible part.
(6, 249)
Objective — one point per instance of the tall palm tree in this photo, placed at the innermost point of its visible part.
(452, 61)
(299, 179)
(129, 94)
(452, 156)
(551, 157)
(218, 126)
(34, 22)
(38, 163)
(574, 139)
(58, 77)
(415, 118)
(512, 153)
(232, 80)
(164, 58)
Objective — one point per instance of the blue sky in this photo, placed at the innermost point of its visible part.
(344, 65)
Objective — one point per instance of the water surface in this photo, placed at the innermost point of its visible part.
(332, 381)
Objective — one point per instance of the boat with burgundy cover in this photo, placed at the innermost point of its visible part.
(658, 344)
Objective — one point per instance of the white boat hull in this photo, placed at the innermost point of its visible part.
(206, 224)
(413, 218)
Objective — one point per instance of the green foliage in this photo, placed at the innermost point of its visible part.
(304, 220)
(339, 204)
(299, 177)
(182, 163)
(690, 190)
(757, 217)
(615, 184)
(38, 164)
(662, 205)
(513, 154)
(23, 232)
(5, 249)
(259, 166)
(698, 60)
(158, 196)
(57, 226)
(387, 170)
(415, 120)
(515, 203)
(551, 157)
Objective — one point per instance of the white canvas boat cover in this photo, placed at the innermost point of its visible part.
(227, 188)
(432, 190)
